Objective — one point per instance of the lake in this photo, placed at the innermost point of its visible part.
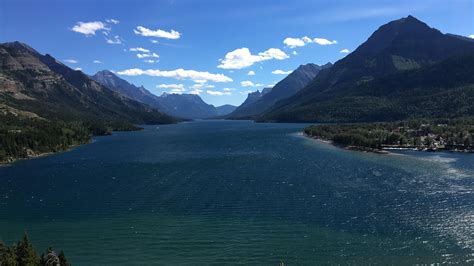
(238, 192)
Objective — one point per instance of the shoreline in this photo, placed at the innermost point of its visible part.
(386, 150)
(39, 155)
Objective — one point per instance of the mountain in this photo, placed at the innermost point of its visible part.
(252, 98)
(42, 85)
(225, 109)
(47, 107)
(188, 106)
(140, 94)
(403, 49)
(287, 87)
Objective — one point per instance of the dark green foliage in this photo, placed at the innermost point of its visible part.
(23, 138)
(441, 90)
(23, 254)
(404, 70)
(47, 107)
(423, 134)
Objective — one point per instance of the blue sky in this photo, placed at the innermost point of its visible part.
(217, 48)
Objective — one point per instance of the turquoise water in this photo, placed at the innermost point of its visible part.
(237, 192)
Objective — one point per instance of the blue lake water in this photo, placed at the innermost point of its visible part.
(238, 192)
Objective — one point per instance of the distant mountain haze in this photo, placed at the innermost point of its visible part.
(189, 106)
(403, 49)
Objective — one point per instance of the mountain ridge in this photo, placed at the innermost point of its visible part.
(402, 45)
(291, 84)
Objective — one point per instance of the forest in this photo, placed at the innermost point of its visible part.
(22, 137)
(421, 134)
(23, 253)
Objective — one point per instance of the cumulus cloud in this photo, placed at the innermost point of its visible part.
(322, 41)
(179, 74)
(202, 85)
(271, 85)
(471, 36)
(246, 92)
(344, 51)
(97, 62)
(140, 30)
(177, 91)
(218, 93)
(148, 55)
(251, 73)
(295, 53)
(281, 72)
(139, 49)
(88, 28)
(248, 83)
(78, 69)
(241, 58)
(171, 86)
(196, 91)
(112, 21)
(151, 61)
(299, 42)
(71, 61)
(114, 40)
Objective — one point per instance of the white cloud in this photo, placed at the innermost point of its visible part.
(140, 30)
(271, 85)
(202, 85)
(246, 92)
(322, 41)
(295, 53)
(251, 73)
(471, 36)
(78, 68)
(281, 72)
(71, 61)
(218, 93)
(112, 21)
(97, 62)
(228, 89)
(344, 51)
(139, 49)
(171, 86)
(115, 40)
(88, 28)
(154, 41)
(177, 91)
(177, 74)
(196, 91)
(241, 58)
(248, 83)
(149, 55)
(151, 61)
(297, 42)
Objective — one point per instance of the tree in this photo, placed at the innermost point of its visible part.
(25, 253)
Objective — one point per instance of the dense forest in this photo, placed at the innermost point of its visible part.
(22, 137)
(46, 106)
(440, 134)
(23, 254)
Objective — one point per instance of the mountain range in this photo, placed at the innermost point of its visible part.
(189, 106)
(41, 85)
(257, 103)
(404, 70)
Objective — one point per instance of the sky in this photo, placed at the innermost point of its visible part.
(219, 49)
